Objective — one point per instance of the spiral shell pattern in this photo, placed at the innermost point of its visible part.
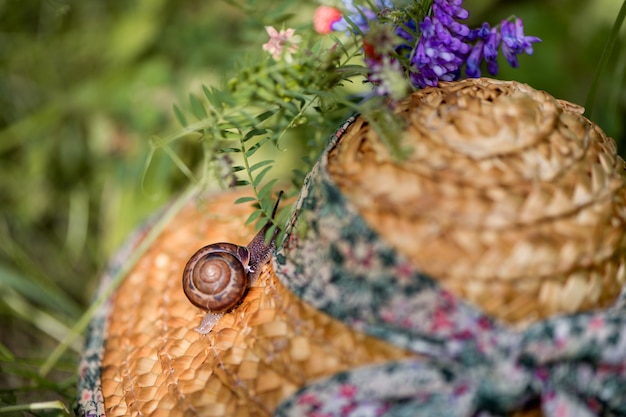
(510, 198)
(215, 277)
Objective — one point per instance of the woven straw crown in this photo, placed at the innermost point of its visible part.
(511, 199)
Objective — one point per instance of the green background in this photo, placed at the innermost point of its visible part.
(85, 84)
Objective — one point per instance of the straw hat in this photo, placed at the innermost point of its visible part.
(508, 214)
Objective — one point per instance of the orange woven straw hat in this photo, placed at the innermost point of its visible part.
(482, 273)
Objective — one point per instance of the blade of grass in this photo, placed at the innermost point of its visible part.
(44, 405)
(82, 323)
(36, 291)
(604, 59)
(23, 275)
(5, 354)
(78, 219)
(42, 320)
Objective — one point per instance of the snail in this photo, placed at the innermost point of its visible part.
(217, 276)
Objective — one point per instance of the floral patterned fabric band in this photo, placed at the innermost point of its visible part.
(470, 364)
(90, 401)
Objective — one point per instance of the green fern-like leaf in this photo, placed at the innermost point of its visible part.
(197, 107)
(182, 120)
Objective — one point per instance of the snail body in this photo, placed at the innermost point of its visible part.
(217, 276)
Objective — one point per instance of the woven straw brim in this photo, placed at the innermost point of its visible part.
(156, 364)
(511, 199)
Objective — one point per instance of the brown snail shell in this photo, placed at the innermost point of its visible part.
(216, 276)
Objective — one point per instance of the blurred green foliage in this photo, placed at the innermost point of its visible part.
(84, 84)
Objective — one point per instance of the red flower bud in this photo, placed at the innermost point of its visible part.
(324, 18)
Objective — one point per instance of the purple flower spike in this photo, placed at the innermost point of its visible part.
(479, 33)
(442, 48)
(486, 48)
(492, 41)
(445, 12)
(514, 42)
(474, 59)
(450, 7)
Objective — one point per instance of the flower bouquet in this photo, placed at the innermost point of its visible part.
(360, 57)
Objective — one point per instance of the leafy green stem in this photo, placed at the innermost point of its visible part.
(262, 195)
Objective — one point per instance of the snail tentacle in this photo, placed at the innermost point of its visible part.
(261, 249)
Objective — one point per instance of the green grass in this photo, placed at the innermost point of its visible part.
(85, 85)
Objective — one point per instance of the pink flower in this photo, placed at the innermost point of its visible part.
(461, 389)
(562, 409)
(387, 315)
(324, 18)
(441, 321)
(319, 414)
(308, 399)
(348, 408)
(484, 323)
(283, 43)
(347, 390)
(86, 395)
(596, 323)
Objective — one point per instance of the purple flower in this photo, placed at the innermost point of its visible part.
(446, 11)
(474, 59)
(486, 48)
(430, 48)
(452, 8)
(514, 42)
(442, 48)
